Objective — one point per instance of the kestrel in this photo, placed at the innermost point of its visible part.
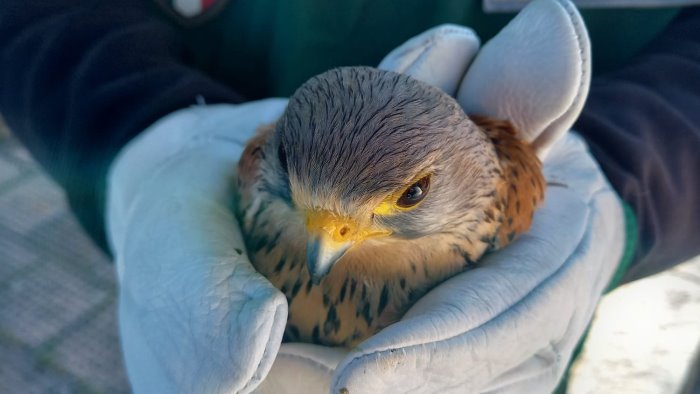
(371, 189)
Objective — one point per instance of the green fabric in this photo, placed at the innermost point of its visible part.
(269, 47)
(631, 235)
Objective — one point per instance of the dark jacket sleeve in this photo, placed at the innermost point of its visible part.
(643, 126)
(80, 78)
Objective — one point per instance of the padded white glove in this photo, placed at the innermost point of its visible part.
(196, 317)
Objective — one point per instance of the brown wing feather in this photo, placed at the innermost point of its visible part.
(524, 184)
(249, 163)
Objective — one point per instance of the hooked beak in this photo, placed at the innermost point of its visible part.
(330, 237)
(322, 254)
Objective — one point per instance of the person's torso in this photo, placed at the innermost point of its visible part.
(269, 47)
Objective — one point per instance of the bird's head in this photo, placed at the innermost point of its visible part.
(365, 155)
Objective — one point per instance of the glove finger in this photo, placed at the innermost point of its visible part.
(439, 56)
(535, 73)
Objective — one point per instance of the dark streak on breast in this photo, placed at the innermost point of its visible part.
(383, 300)
(341, 296)
(367, 314)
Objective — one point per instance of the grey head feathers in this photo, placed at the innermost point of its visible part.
(351, 136)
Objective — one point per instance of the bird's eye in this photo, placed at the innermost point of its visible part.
(282, 156)
(414, 193)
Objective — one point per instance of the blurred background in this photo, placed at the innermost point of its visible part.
(58, 324)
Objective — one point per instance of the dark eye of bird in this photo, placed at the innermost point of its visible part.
(415, 193)
(282, 156)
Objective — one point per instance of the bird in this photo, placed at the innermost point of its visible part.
(371, 189)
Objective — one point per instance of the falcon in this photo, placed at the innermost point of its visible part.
(371, 189)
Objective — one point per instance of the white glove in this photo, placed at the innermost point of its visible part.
(194, 314)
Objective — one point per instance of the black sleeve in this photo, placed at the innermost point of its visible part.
(80, 78)
(643, 126)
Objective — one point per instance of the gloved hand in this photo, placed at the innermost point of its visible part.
(196, 317)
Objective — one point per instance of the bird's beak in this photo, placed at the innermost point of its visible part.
(330, 236)
(322, 254)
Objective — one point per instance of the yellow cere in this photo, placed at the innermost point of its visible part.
(326, 224)
(339, 229)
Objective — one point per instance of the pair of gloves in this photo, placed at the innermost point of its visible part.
(195, 316)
